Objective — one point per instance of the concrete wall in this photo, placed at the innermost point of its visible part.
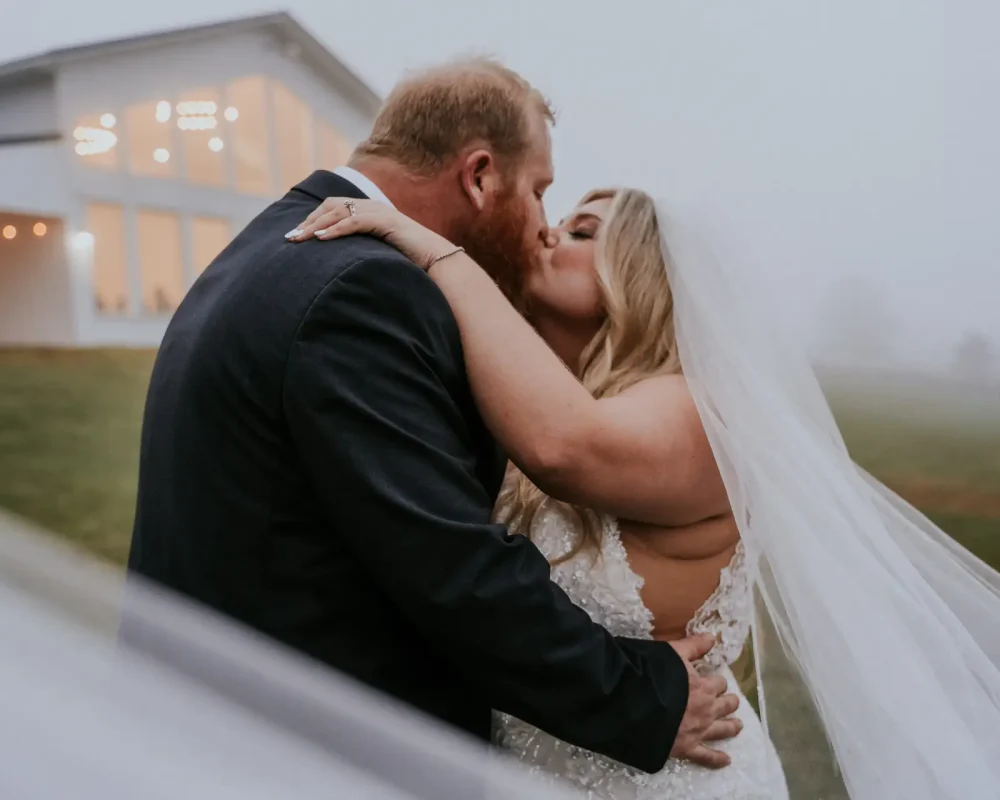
(34, 285)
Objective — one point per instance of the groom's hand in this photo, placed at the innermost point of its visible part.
(705, 719)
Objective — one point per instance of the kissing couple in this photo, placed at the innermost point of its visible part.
(544, 483)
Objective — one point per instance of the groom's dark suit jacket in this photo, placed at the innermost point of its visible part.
(313, 465)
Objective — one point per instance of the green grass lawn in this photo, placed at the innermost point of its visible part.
(69, 435)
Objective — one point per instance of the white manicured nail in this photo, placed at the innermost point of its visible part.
(294, 233)
(321, 233)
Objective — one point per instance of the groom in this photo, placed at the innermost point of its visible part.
(313, 464)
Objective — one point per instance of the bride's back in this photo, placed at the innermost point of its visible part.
(647, 581)
(680, 567)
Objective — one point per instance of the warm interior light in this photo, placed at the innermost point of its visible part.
(197, 123)
(192, 107)
(163, 111)
(215, 144)
(40, 229)
(108, 120)
(9, 232)
(161, 154)
(82, 241)
(232, 113)
(93, 141)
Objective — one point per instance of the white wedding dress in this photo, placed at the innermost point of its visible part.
(605, 586)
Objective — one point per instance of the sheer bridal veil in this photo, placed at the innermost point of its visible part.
(869, 617)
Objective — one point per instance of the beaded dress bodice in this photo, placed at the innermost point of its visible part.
(604, 585)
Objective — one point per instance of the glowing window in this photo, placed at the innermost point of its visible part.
(247, 130)
(200, 123)
(149, 133)
(106, 225)
(161, 261)
(95, 141)
(294, 133)
(209, 237)
(333, 147)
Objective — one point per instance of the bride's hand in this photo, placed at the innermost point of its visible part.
(332, 219)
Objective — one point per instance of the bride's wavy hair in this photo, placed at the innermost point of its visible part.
(636, 340)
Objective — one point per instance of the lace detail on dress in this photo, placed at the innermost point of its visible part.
(604, 585)
(726, 614)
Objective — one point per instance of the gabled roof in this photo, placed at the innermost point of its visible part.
(308, 48)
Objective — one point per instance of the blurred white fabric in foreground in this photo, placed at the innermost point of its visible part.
(207, 710)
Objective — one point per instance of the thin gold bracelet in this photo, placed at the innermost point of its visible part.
(449, 254)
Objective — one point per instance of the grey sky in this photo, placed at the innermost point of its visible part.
(824, 139)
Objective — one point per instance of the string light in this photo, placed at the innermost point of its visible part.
(232, 113)
(215, 144)
(199, 123)
(163, 111)
(82, 241)
(9, 232)
(108, 120)
(40, 229)
(161, 154)
(190, 108)
(93, 141)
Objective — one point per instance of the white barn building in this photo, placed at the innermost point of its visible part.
(126, 166)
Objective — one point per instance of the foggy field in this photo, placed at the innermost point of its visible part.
(70, 421)
(935, 443)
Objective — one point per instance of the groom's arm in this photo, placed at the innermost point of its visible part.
(369, 407)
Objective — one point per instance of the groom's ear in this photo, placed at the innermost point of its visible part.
(480, 178)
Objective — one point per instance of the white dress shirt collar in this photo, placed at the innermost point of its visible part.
(364, 184)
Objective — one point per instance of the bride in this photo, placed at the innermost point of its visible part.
(685, 474)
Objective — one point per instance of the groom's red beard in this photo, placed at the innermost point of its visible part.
(497, 243)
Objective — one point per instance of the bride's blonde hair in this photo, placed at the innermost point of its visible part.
(635, 342)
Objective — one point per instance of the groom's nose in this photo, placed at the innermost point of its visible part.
(549, 237)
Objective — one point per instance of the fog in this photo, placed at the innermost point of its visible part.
(838, 150)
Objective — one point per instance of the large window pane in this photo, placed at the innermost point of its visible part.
(209, 237)
(293, 130)
(200, 123)
(149, 132)
(110, 263)
(246, 118)
(95, 140)
(161, 262)
(333, 147)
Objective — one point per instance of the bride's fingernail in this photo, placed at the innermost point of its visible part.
(292, 234)
(321, 233)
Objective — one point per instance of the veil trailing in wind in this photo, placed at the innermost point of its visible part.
(872, 622)
(202, 710)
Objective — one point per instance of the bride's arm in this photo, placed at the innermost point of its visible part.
(641, 455)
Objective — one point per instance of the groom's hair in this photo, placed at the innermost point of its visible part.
(431, 115)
